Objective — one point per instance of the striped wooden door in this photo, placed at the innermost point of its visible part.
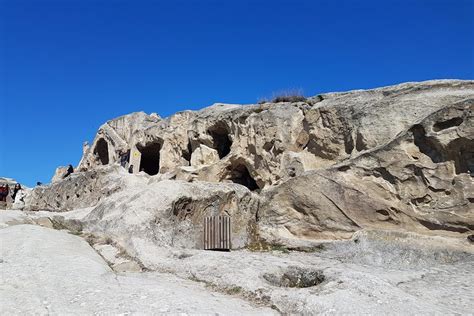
(217, 233)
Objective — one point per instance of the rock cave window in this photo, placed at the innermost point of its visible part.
(427, 145)
(150, 158)
(241, 175)
(102, 151)
(461, 151)
(439, 126)
(220, 139)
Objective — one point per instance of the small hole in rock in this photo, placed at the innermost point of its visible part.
(295, 277)
(470, 238)
(439, 126)
(344, 168)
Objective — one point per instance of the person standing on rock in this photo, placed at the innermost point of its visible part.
(18, 197)
(16, 189)
(124, 158)
(4, 191)
(69, 170)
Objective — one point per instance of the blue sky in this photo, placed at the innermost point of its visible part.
(68, 66)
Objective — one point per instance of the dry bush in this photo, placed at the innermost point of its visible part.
(295, 95)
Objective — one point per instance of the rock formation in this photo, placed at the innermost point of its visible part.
(397, 158)
(364, 197)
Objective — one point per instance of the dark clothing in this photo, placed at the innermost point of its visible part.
(69, 170)
(15, 191)
(124, 159)
(4, 191)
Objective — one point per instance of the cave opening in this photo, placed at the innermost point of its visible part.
(220, 139)
(101, 150)
(461, 151)
(427, 145)
(240, 174)
(439, 126)
(186, 153)
(150, 158)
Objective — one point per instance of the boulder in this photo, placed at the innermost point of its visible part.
(421, 181)
(59, 174)
(171, 213)
(203, 156)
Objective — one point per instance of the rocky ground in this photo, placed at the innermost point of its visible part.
(51, 271)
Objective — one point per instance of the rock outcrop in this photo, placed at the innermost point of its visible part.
(396, 158)
(10, 203)
(375, 272)
(45, 271)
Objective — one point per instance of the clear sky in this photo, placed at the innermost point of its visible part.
(67, 66)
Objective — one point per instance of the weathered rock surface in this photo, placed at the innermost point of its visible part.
(171, 213)
(78, 190)
(140, 208)
(419, 181)
(376, 272)
(398, 157)
(381, 180)
(48, 272)
(59, 174)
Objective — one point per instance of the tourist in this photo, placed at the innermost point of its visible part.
(124, 157)
(16, 189)
(4, 191)
(69, 170)
(18, 197)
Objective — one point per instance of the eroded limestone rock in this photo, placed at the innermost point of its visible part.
(204, 156)
(397, 158)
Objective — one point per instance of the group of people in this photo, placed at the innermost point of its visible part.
(5, 192)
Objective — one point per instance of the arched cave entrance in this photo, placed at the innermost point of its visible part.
(101, 150)
(150, 158)
(241, 175)
(220, 139)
